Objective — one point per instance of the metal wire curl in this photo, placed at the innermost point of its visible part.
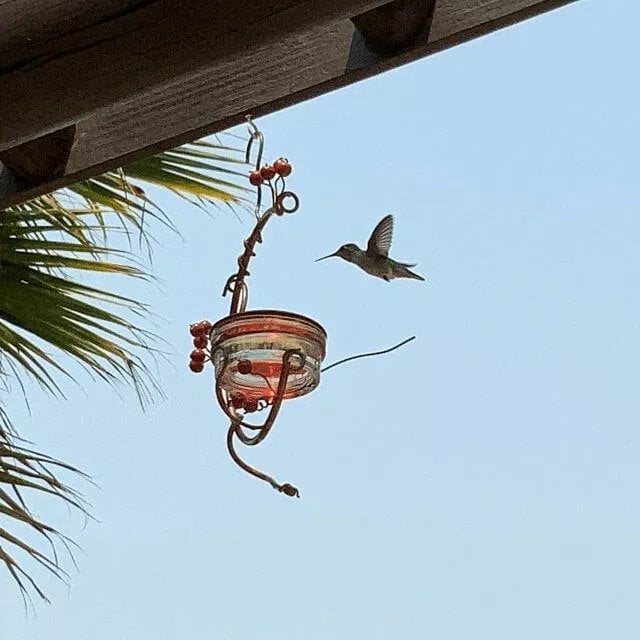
(237, 422)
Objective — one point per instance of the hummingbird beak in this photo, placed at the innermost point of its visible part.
(331, 255)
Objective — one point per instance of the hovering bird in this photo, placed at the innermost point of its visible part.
(375, 259)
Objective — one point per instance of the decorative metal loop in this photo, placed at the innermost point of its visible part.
(280, 206)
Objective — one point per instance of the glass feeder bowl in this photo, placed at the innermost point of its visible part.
(247, 350)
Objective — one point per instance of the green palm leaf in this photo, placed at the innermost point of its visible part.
(39, 307)
(23, 472)
(49, 318)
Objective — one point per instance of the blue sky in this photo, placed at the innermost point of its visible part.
(482, 482)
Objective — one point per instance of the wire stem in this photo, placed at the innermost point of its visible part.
(366, 355)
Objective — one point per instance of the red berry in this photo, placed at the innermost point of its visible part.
(237, 400)
(200, 342)
(255, 178)
(282, 166)
(205, 325)
(196, 367)
(267, 172)
(196, 329)
(198, 355)
(250, 405)
(244, 367)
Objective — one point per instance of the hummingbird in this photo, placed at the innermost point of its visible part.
(375, 258)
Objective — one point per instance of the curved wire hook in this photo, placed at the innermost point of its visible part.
(255, 134)
(237, 423)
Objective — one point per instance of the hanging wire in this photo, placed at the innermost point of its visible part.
(255, 135)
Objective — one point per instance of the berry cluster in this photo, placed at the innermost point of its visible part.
(280, 167)
(200, 332)
(238, 401)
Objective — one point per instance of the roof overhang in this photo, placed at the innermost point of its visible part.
(89, 85)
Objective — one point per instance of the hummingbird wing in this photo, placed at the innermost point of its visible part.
(380, 240)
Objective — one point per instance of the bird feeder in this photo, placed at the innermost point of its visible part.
(260, 357)
(248, 351)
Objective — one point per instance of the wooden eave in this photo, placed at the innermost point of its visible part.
(89, 85)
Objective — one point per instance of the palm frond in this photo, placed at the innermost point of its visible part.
(40, 306)
(24, 472)
(195, 170)
(49, 311)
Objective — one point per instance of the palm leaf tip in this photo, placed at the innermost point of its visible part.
(24, 473)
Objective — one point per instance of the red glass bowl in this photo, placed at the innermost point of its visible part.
(247, 350)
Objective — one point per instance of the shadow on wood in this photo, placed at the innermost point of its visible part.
(395, 26)
(37, 161)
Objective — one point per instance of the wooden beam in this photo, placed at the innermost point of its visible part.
(120, 57)
(134, 87)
